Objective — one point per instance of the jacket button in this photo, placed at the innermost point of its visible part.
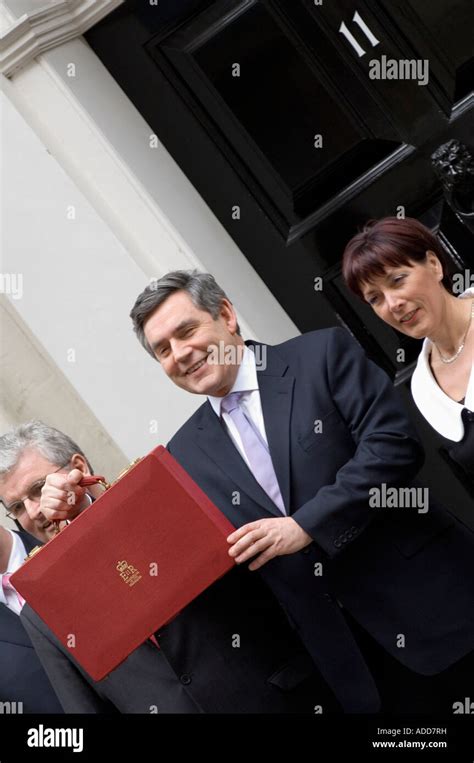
(185, 679)
(337, 543)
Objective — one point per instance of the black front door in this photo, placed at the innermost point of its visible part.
(299, 120)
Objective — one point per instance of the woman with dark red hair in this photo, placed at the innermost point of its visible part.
(398, 267)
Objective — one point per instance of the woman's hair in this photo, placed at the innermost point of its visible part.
(390, 242)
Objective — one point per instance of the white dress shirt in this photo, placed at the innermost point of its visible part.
(246, 381)
(17, 557)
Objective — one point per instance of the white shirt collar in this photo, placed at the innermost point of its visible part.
(17, 557)
(17, 554)
(246, 379)
(443, 413)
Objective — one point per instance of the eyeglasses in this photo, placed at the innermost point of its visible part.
(17, 508)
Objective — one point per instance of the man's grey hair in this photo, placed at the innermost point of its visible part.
(203, 289)
(54, 445)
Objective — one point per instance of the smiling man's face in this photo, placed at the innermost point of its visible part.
(183, 338)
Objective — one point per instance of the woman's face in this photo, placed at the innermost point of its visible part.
(409, 298)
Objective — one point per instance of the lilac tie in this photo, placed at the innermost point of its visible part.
(7, 586)
(255, 448)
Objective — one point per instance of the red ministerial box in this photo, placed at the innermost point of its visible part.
(128, 563)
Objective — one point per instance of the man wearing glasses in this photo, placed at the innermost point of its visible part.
(40, 468)
(27, 455)
(30, 454)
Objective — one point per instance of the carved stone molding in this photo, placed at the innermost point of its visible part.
(54, 23)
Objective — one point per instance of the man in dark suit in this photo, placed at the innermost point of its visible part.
(358, 581)
(291, 444)
(27, 454)
(24, 686)
(41, 466)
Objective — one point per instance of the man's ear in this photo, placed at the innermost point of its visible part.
(228, 313)
(79, 462)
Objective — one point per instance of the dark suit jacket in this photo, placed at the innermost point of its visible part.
(225, 659)
(22, 678)
(251, 642)
(392, 569)
(143, 683)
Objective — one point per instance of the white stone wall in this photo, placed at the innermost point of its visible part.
(90, 211)
(78, 283)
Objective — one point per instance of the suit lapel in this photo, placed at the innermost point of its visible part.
(214, 440)
(276, 396)
(11, 628)
(29, 541)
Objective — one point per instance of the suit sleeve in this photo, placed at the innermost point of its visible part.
(75, 694)
(387, 448)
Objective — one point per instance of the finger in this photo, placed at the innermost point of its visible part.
(56, 516)
(74, 494)
(235, 536)
(51, 495)
(51, 492)
(53, 499)
(59, 511)
(55, 512)
(56, 480)
(74, 477)
(255, 549)
(262, 559)
(246, 541)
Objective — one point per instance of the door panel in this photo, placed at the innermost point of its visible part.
(272, 108)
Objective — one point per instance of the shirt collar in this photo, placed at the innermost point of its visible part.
(17, 554)
(17, 557)
(246, 379)
(443, 413)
